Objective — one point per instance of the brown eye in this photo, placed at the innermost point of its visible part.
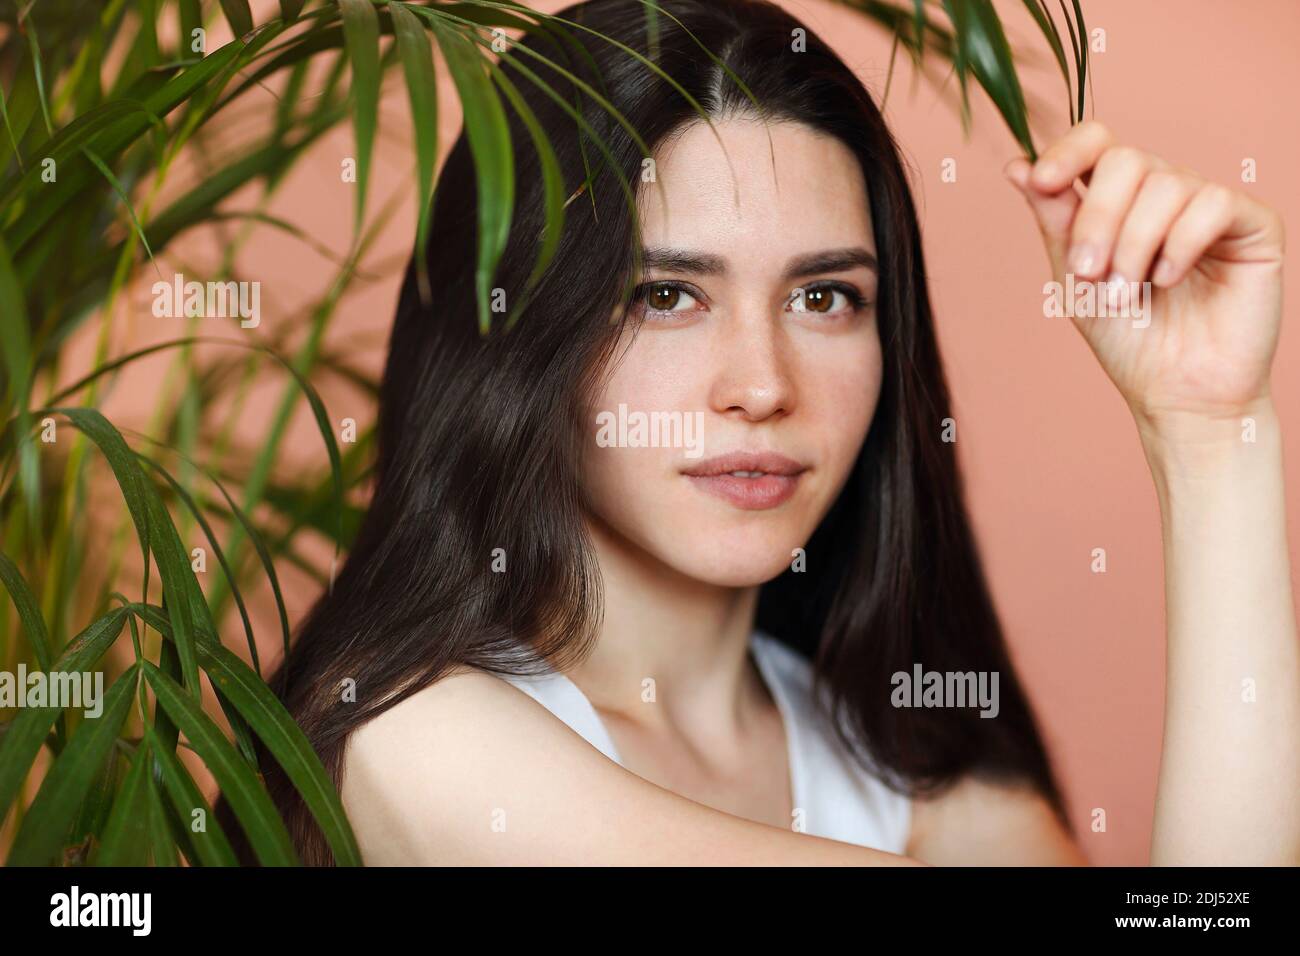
(818, 300)
(824, 299)
(663, 298)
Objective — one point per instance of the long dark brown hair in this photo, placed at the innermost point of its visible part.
(468, 460)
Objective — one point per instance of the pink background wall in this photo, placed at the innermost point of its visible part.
(1050, 454)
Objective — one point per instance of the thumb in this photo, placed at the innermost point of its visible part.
(1054, 212)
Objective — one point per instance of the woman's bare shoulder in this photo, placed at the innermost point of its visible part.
(473, 771)
(988, 823)
(439, 777)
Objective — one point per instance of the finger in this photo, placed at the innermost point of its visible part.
(1116, 179)
(1161, 200)
(1213, 214)
(1071, 156)
(1054, 212)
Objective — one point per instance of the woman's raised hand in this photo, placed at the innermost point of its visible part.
(1212, 257)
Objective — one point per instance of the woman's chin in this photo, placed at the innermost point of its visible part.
(742, 578)
(738, 567)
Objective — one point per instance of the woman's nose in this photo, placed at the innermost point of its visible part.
(753, 377)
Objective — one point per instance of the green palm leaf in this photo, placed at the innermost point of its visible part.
(25, 735)
(49, 818)
(361, 31)
(266, 833)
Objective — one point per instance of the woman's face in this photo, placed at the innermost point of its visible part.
(733, 415)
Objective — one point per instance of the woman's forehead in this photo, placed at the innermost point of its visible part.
(754, 187)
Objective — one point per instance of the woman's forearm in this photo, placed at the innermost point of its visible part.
(1229, 784)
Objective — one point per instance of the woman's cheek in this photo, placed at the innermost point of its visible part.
(841, 393)
(659, 371)
(652, 376)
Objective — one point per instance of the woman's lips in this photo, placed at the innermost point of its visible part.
(752, 481)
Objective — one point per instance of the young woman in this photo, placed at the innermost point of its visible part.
(563, 638)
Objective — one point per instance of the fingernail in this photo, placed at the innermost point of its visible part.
(1164, 272)
(1083, 259)
(1116, 289)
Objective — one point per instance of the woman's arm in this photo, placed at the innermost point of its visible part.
(1229, 788)
(472, 771)
(1194, 369)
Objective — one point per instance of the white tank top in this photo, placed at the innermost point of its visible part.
(839, 799)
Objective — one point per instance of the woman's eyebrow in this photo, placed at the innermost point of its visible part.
(680, 260)
(832, 260)
(707, 264)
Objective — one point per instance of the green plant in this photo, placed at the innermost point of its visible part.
(100, 100)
